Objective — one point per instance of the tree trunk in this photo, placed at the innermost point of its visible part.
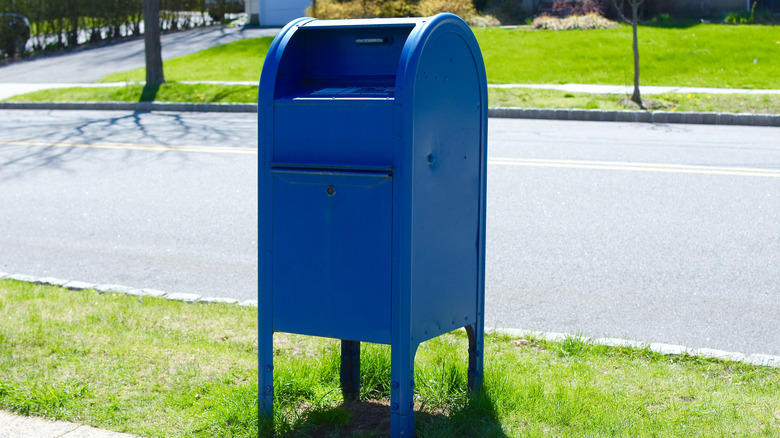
(154, 66)
(634, 15)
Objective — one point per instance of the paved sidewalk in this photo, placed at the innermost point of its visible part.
(16, 426)
(628, 89)
(91, 63)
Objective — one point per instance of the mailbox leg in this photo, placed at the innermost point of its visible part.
(476, 347)
(402, 392)
(350, 369)
(266, 374)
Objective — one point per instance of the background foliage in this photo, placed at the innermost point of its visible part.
(57, 24)
(337, 9)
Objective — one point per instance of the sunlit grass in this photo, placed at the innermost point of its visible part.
(683, 102)
(697, 56)
(172, 92)
(237, 61)
(701, 55)
(497, 98)
(161, 368)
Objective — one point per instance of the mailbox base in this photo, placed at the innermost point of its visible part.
(476, 334)
(401, 376)
(402, 389)
(350, 369)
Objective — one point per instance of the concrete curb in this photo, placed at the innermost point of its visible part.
(103, 288)
(134, 106)
(637, 116)
(513, 113)
(666, 349)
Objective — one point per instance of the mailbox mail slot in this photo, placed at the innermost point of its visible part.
(373, 151)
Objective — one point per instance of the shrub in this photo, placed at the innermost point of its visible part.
(56, 24)
(219, 8)
(461, 8)
(662, 18)
(14, 33)
(738, 18)
(565, 8)
(761, 16)
(507, 11)
(335, 9)
(397, 8)
(583, 22)
(483, 21)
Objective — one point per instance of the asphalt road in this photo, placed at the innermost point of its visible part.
(107, 207)
(90, 64)
(656, 233)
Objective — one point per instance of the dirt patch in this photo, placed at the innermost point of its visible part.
(369, 418)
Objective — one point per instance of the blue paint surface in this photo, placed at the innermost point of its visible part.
(373, 152)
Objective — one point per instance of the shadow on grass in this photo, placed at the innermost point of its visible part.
(149, 93)
(682, 24)
(371, 418)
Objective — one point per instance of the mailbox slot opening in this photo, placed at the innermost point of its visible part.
(344, 62)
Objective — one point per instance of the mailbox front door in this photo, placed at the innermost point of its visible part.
(332, 234)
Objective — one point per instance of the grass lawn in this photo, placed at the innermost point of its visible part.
(172, 92)
(236, 61)
(162, 368)
(701, 55)
(498, 98)
(698, 55)
(689, 102)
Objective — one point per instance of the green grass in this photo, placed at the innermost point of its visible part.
(689, 102)
(173, 92)
(149, 366)
(162, 368)
(236, 61)
(698, 55)
(500, 98)
(702, 55)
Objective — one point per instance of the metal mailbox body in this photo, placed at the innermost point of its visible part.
(372, 158)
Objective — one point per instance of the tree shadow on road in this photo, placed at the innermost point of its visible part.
(58, 142)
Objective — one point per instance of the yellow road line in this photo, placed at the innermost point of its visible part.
(134, 146)
(526, 162)
(637, 167)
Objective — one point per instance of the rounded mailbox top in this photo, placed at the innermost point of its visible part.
(310, 55)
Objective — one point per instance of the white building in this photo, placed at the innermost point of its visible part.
(275, 13)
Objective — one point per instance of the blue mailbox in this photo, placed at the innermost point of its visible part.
(372, 157)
